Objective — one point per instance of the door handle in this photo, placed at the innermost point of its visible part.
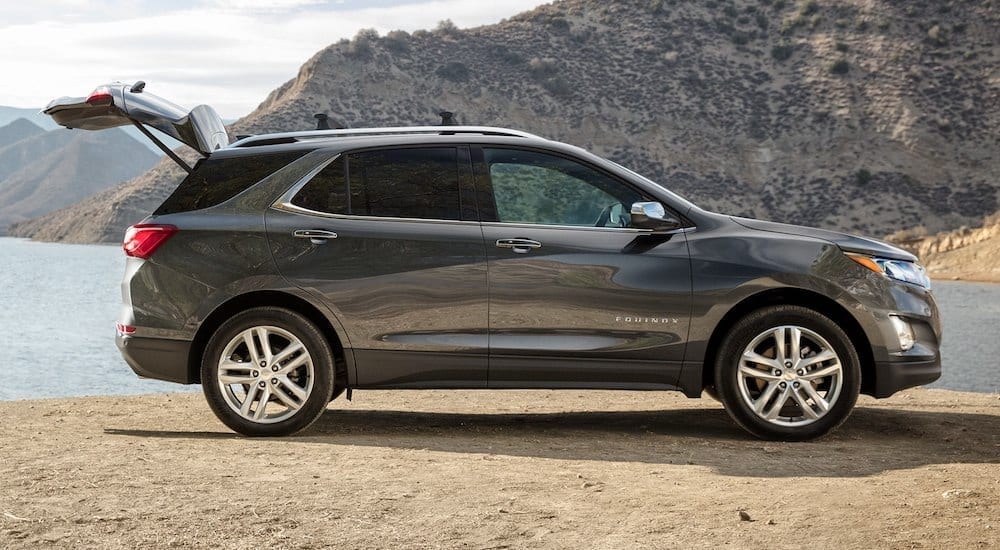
(519, 246)
(315, 236)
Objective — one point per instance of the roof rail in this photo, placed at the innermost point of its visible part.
(292, 137)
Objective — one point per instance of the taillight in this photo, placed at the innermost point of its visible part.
(100, 96)
(142, 239)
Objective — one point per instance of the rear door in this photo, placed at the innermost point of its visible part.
(119, 104)
(578, 298)
(389, 240)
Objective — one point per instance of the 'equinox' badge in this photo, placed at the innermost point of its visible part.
(637, 319)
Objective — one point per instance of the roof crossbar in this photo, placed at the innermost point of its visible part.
(288, 137)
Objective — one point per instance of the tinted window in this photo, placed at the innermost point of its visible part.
(398, 183)
(216, 180)
(327, 191)
(536, 188)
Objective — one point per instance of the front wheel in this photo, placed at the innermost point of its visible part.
(267, 372)
(787, 373)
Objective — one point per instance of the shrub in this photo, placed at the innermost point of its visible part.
(559, 23)
(840, 46)
(937, 35)
(790, 23)
(863, 177)
(542, 67)
(508, 55)
(397, 41)
(557, 85)
(361, 46)
(454, 71)
(447, 28)
(782, 51)
(840, 66)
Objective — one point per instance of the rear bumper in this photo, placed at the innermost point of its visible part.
(156, 358)
(903, 373)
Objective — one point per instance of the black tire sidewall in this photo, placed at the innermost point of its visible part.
(748, 328)
(315, 343)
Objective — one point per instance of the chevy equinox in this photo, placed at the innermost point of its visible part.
(289, 268)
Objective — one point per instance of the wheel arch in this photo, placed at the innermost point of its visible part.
(797, 297)
(266, 298)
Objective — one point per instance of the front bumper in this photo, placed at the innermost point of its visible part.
(903, 373)
(897, 369)
(157, 358)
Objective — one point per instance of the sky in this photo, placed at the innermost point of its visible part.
(227, 53)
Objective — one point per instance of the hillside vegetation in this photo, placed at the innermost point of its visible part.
(43, 171)
(859, 115)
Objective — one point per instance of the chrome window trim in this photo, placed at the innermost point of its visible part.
(289, 207)
(587, 228)
(288, 195)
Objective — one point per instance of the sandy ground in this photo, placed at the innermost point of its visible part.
(498, 470)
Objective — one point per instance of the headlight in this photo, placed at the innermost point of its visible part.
(900, 270)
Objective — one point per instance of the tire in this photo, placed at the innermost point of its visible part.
(294, 372)
(710, 391)
(787, 391)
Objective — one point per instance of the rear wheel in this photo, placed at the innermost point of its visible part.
(267, 372)
(787, 373)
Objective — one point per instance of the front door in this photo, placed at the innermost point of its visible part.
(578, 298)
(388, 240)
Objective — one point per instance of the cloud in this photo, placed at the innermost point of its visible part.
(207, 52)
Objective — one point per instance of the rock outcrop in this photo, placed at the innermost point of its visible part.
(856, 115)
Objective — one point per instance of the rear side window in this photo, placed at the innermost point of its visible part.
(397, 183)
(216, 180)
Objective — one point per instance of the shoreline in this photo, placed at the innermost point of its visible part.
(988, 278)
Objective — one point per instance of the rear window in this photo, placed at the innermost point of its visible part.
(216, 180)
(397, 183)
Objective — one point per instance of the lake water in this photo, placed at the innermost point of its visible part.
(59, 302)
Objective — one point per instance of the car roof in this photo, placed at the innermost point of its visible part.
(329, 140)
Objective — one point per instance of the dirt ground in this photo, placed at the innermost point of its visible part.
(497, 470)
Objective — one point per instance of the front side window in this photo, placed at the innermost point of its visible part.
(536, 188)
(397, 183)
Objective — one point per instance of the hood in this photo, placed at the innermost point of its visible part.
(847, 243)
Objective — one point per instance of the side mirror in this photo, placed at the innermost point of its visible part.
(652, 215)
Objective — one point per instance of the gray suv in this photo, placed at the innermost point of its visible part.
(289, 268)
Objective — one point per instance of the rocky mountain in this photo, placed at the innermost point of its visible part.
(35, 116)
(859, 115)
(964, 253)
(45, 171)
(18, 130)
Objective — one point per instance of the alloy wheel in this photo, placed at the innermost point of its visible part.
(790, 376)
(265, 374)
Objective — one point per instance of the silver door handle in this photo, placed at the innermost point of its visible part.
(315, 236)
(519, 246)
